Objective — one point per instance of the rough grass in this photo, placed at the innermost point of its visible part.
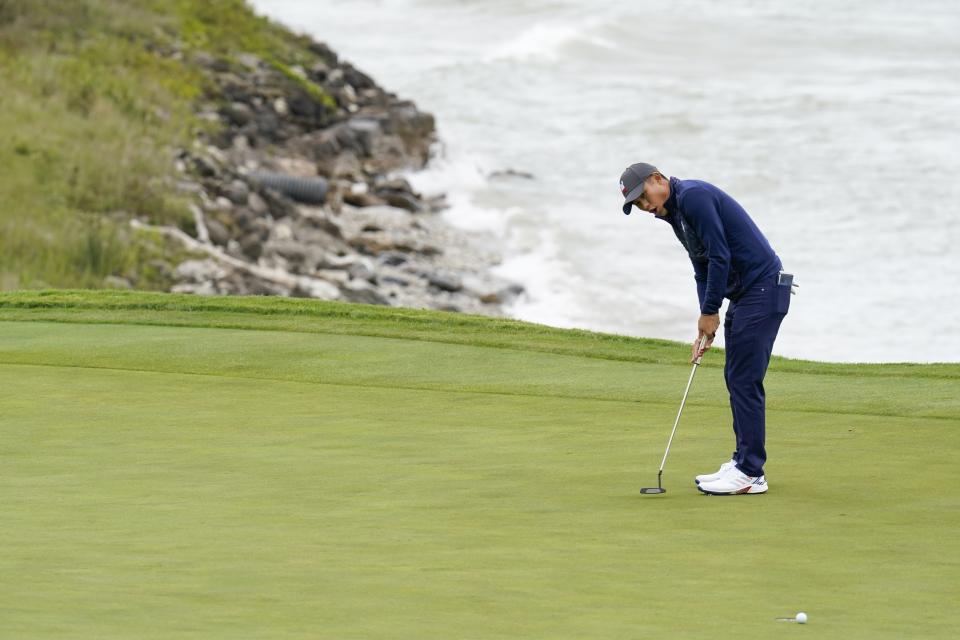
(210, 468)
(97, 96)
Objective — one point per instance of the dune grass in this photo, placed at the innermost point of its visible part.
(253, 467)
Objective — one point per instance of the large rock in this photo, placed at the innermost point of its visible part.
(238, 114)
(197, 271)
(382, 228)
(416, 128)
(363, 131)
(321, 49)
(445, 281)
(219, 234)
(363, 291)
(317, 218)
(237, 192)
(301, 258)
(252, 245)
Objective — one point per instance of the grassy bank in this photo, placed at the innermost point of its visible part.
(207, 468)
(97, 96)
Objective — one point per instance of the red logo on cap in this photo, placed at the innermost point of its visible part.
(623, 189)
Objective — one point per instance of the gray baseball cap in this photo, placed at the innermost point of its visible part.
(631, 182)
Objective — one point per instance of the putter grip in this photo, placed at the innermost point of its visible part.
(703, 343)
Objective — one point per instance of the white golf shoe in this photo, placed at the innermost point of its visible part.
(734, 482)
(710, 477)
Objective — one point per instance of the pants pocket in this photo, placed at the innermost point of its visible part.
(783, 298)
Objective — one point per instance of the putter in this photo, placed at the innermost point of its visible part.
(659, 488)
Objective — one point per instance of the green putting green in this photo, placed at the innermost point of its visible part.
(232, 468)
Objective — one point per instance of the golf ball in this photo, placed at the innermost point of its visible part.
(802, 617)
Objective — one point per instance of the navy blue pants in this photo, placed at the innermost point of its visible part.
(749, 329)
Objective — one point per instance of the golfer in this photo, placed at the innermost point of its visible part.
(731, 258)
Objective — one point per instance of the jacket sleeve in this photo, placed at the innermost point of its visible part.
(701, 209)
(700, 275)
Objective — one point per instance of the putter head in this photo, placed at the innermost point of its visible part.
(653, 490)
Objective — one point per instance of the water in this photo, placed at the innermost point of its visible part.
(834, 124)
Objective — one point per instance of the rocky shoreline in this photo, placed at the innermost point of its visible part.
(296, 191)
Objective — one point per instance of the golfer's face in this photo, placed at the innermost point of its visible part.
(653, 196)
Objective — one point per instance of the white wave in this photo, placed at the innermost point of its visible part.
(460, 178)
(546, 299)
(546, 41)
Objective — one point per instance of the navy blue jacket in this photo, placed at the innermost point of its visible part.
(728, 251)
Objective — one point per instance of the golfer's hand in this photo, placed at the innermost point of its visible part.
(707, 326)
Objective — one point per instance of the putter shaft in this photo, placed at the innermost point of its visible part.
(703, 342)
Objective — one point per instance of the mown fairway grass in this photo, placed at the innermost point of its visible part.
(258, 468)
